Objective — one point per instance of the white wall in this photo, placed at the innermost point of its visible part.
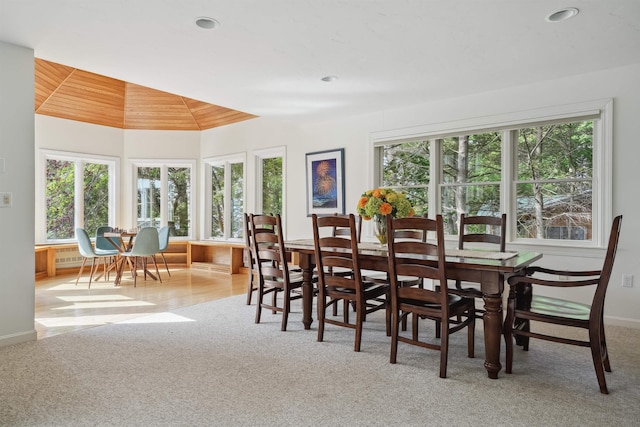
(17, 289)
(354, 135)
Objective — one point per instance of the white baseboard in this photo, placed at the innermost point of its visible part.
(18, 338)
(622, 321)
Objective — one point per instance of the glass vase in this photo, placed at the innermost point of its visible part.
(380, 228)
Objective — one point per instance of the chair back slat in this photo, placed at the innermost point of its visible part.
(332, 251)
(269, 250)
(494, 229)
(422, 259)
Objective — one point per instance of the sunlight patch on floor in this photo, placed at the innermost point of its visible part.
(104, 304)
(56, 322)
(84, 298)
(165, 317)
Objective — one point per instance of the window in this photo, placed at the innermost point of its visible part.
(406, 167)
(549, 170)
(164, 195)
(471, 175)
(554, 181)
(79, 191)
(270, 177)
(225, 189)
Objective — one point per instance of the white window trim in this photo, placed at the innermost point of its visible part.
(602, 165)
(80, 159)
(205, 209)
(163, 164)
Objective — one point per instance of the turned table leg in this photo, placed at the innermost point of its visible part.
(492, 334)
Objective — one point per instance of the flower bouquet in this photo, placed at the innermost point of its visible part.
(379, 203)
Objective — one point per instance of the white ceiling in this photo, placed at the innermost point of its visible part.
(268, 56)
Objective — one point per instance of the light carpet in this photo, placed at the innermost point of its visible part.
(210, 365)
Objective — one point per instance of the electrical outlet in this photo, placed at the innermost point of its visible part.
(627, 280)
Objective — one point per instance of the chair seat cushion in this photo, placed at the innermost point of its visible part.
(550, 306)
(107, 252)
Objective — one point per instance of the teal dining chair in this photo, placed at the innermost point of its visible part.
(146, 245)
(88, 252)
(163, 237)
(103, 244)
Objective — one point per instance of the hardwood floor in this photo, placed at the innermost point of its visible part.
(62, 307)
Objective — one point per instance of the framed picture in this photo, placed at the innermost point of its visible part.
(325, 182)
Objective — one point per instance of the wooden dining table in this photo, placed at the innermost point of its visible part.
(123, 241)
(490, 271)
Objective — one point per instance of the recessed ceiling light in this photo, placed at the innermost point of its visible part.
(329, 79)
(562, 15)
(207, 23)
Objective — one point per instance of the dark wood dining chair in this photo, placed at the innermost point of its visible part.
(421, 303)
(274, 275)
(479, 229)
(524, 306)
(253, 273)
(340, 252)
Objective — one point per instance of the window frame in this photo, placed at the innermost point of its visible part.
(79, 159)
(259, 156)
(600, 111)
(207, 164)
(163, 164)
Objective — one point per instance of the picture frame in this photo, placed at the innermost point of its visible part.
(325, 182)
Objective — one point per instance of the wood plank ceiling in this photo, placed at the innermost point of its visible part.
(69, 93)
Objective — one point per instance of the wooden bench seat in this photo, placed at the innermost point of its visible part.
(223, 256)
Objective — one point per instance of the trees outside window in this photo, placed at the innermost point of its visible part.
(407, 167)
(79, 192)
(270, 173)
(225, 189)
(541, 173)
(471, 173)
(164, 195)
(272, 185)
(554, 181)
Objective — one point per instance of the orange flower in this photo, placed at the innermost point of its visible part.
(386, 208)
(362, 202)
(376, 193)
(411, 212)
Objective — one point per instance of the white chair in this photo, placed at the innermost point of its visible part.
(163, 237)
(145, 245)
(86, 250)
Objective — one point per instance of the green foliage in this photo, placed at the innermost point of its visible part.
(59, 195)
(406, 168)
(179, 182)
(272, 185)
(472, 174)
(96, 196)
(217, 201)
